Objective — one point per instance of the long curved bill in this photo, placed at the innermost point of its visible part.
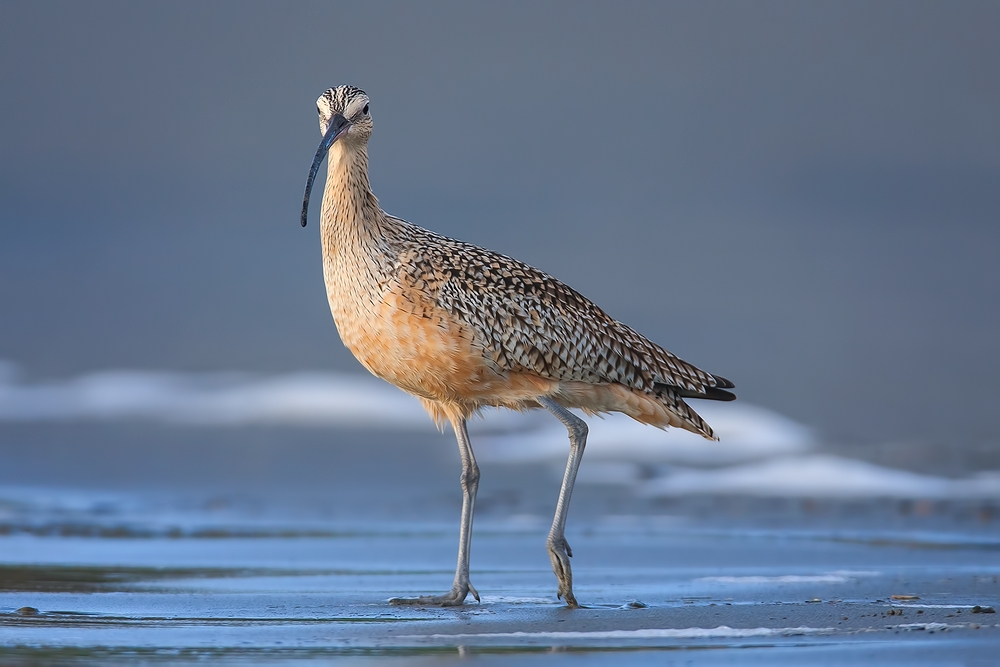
(338, 126)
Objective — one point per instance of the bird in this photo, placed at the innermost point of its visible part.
(463, 328)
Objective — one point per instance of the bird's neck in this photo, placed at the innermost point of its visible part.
(351, 219)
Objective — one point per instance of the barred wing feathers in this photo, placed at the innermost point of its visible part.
(529, 321)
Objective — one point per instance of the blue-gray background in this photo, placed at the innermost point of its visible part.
(802, 197)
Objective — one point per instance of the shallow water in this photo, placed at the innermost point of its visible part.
(180, 545)
(644, 586)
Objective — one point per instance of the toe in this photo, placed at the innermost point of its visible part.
(559, 554)
(452, 598)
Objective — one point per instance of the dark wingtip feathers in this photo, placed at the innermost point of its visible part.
(723, 383)
(716, 393)
(710, 393)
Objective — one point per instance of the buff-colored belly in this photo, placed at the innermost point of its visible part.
(417, 347)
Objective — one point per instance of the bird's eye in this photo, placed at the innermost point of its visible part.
(365, 110)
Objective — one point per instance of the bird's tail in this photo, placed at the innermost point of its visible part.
(686, 418)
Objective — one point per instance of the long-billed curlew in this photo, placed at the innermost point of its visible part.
(462, 328)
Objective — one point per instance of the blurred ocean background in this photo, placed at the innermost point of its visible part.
(800, 197)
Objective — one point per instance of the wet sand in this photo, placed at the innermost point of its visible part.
(221, 548)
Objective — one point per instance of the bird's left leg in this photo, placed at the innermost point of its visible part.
(559, 551)
(470, 485)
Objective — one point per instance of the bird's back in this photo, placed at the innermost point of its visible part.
(470, 327)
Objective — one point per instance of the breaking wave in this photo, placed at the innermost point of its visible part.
(761, 453)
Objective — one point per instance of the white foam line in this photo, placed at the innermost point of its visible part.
(224, 399)
(616, 442)
(839, 577)
(765, 454)
(616, 445)
(927, 626)
(820, 476)
(723, 631)
(910, 605)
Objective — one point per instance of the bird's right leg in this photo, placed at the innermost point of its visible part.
(470, 485)
(559, 551)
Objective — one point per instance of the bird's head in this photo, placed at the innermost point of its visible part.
(343, 116)
(344, 110)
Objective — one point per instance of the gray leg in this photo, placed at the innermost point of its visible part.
(559, 551)
(470, 485)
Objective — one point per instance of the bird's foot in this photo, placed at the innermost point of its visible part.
(453, 598)
(559, 554)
